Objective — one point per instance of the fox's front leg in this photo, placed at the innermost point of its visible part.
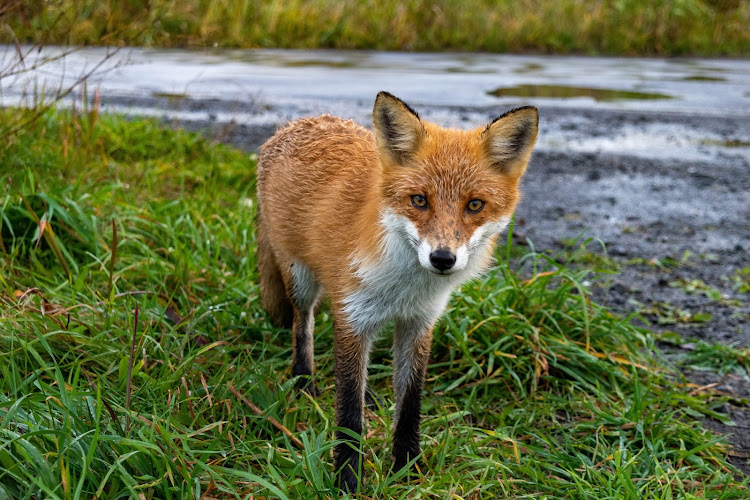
(411, 351)
(352, 351)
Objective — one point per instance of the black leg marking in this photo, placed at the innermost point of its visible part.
(302, 359)
(347, 455)
(352, 355)
(406, 434)
(304, 294)
(411, 352)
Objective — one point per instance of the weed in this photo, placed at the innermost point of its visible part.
(741, 280)
(627, 27)
(664, 263)
(720, 358)
(576, 251)
(666, 314)
(692, 286)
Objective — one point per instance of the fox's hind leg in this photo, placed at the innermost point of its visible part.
(305, 293)
(289, 293)
(273, 294)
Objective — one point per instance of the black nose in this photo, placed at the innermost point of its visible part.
(442, 259)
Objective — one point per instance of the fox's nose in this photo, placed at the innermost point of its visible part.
(442, 259)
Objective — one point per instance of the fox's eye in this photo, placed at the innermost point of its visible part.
(475, 206)
(419, 201)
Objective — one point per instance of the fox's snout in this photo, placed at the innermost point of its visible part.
(442, 259)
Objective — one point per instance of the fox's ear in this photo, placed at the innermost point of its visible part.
(398, 130)
(510, 138)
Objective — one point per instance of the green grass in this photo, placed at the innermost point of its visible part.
(117, 232)
(625, 27)
(718, 358)
(741, 280)
(698, 286)
(709, 356)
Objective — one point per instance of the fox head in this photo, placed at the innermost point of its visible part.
(450, 192)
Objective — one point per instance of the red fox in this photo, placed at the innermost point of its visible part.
(387, 224)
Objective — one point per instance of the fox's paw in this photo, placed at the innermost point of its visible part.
(372, 400)
(305, 383)
(347, 461)
(347, 481)
(417, 469)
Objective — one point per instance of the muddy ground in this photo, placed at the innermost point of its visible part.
(676, 229)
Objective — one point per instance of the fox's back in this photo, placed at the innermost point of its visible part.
(313, 177)
(312, 153)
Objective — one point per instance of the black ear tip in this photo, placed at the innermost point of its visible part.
(385, 95)
(523, 110)
(528, 110)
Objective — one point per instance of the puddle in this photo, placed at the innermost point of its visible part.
(726, 143)
(325, 64)
(663, 141)
(172, 96)
(703, 78)
(529, 68)
(307, 82)
(564, 92)
(463, 69)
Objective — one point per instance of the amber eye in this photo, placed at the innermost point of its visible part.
(419, 201)
(475, 206)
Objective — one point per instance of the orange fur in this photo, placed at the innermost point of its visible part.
(323, 188)
(317, 184)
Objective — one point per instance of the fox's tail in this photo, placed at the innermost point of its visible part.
(272, 293)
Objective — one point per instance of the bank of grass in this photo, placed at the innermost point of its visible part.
(130, 331)
(625, 27)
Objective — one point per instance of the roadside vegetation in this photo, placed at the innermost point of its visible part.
(135, 359)
(625, 27)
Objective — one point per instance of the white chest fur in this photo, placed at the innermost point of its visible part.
(397, 285)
